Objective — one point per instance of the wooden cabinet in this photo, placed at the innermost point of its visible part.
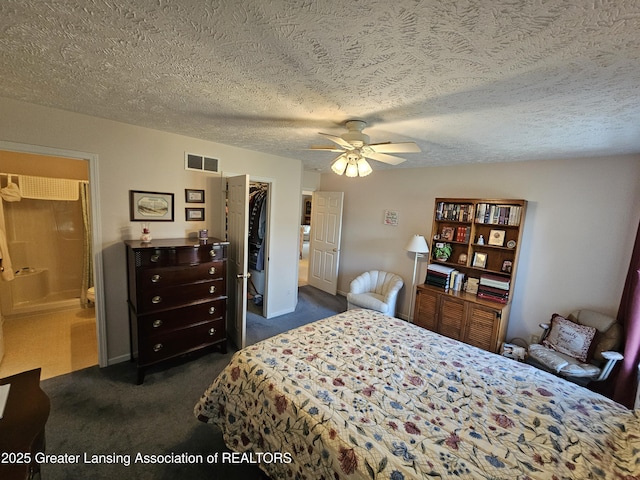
(461, 316)
(484, 238)
(177, 298)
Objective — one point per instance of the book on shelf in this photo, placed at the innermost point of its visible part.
(493, 214)
(456, 212)
(495, 282)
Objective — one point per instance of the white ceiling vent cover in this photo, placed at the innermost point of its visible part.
(200, 163)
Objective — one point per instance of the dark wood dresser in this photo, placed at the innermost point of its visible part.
(177, 298)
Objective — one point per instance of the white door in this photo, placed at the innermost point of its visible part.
(324, 244)
(237, 234)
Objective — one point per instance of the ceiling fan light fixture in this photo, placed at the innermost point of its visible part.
(339, 165)
(352, 169)
(364, 168)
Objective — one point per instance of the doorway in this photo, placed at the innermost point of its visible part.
(305, 235)
(79, 324)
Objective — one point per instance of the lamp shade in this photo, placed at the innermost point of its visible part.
(417, 244)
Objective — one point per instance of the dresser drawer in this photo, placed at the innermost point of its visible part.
(165, 297)
(161, 347)
(163, 276)
(170, 320)
(162, 257)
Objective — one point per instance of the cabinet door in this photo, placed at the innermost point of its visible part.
(482, 327)
(426, 310)
(452, 317)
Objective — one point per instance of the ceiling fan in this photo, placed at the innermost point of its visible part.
(355, 148)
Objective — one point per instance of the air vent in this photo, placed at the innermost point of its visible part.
(200, 163)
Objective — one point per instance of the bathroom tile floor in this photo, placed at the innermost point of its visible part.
(59, 342)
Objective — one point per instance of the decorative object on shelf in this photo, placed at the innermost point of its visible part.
(146, 233)
(479, 260)
(496, 238)
(481, 240)
(506, 266)
(462, 259)
(418, 246)
(511, 244)
(447, 233)
(193, 196)
(194, 214)
(442, 251)
(391, 217)
(150, 206)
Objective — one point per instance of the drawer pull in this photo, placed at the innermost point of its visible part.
(212, 289)
(212, 331)
(157, 347)
(155, 258)
(156, 299)
(212, 271)
(155, 278)
(212, 253)
(157, 323)
(212, 310)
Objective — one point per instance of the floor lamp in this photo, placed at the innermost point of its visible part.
(418, 246)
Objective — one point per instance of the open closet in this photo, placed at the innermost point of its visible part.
(258, 225)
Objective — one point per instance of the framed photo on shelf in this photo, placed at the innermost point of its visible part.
(506, 266)
(496, 237)
(150, 206)
(193, 196)
(462, 259)
(447, 233)
(480, 260)
(194, 214)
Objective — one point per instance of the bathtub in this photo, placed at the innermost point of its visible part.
(30, 285)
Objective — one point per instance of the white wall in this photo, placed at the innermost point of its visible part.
(134, 158)
(581, 222)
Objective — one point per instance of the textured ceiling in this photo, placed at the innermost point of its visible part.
(468, 80)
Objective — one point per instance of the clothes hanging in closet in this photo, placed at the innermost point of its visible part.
(257, 226)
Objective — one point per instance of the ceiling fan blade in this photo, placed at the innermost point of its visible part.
(339, 140)
(384, 158)
(388, 147)
(325, 148)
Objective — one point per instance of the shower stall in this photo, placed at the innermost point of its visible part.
(46, 242)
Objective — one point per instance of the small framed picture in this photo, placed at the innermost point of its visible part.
(194, 214)
(480, 260)
(496, 237)
(462, 259)
(506, 266)
(447, 233)
(193, 196)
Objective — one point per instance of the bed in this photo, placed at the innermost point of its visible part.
(364, 395)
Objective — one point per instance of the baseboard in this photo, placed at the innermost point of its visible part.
(120, 359)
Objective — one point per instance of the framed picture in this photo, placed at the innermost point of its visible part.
(496, 237)
(391, 217)
(194, 214)
(480, 260)
(150, 206)
(447, 233)
(462, 259)
(193, 196)
(506, 266)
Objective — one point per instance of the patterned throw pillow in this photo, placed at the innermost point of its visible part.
(570, 338)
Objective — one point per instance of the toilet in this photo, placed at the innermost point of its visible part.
(91, 294)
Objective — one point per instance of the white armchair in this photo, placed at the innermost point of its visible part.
(375, 290)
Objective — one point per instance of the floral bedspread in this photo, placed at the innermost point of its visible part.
(363, 395)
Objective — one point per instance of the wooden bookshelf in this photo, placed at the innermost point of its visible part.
(485, 237)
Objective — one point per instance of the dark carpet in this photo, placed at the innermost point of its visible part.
(104, 426)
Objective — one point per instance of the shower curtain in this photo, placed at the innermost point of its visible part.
(87, 263)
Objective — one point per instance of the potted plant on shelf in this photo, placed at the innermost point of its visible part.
(442, 251)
